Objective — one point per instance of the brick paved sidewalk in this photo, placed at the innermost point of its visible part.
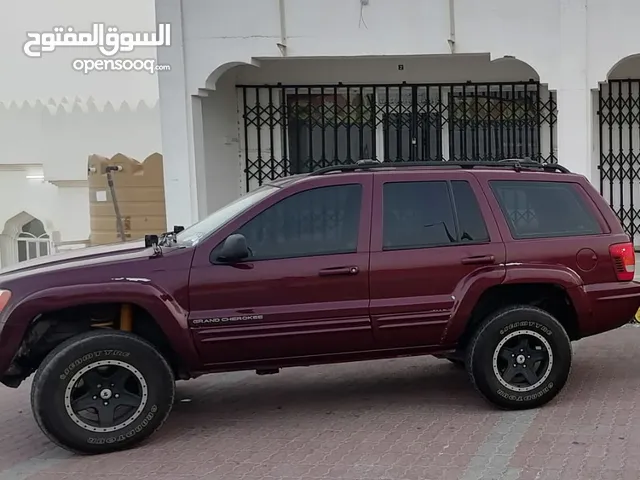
(413, 419)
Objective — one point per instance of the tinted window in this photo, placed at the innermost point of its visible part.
(544, 209)
(417, 214)
(470, 221)
(320, 221)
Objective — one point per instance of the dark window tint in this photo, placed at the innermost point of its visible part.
(314, 222)
(417, 214)
(544, 209)
(470, 221)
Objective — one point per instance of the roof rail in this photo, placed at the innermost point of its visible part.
(515, 164)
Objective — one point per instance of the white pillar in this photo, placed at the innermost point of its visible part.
(575, 130)
(575, 108)
(199, 156)
(176, 114)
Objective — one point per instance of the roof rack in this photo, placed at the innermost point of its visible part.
(515, 164)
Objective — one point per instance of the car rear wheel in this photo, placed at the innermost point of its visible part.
(102, 391)
(519, 358)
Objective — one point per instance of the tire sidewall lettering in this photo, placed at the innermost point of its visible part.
(73, 366)
(122, 437)
(526, 324)
(514, 397)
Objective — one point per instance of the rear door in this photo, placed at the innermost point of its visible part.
(304, 291)
(430, 238)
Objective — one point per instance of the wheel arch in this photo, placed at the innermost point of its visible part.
(553, 298)
(44, 320)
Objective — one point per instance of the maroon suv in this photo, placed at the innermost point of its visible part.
(495, 266)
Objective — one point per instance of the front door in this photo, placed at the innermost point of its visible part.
(433, 241)
(304, 291)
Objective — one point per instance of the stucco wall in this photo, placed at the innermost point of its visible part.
(570, 44)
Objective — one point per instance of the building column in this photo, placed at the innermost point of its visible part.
(575, 109)
(176, 114)
(574, 130)
(199, 156)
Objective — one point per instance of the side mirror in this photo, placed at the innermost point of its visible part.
(234, 249)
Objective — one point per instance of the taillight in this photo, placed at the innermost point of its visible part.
(624, 260)
(5, 296)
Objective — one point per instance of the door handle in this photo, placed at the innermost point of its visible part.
(338, 271)
(479, 260)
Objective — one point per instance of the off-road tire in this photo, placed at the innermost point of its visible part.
(502, 323)
(66, 360)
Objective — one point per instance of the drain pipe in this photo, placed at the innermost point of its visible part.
(452, 26)
(283, 29)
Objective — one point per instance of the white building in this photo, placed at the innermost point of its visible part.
(259, 88)
(52, 118)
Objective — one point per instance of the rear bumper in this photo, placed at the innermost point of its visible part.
(612, 305)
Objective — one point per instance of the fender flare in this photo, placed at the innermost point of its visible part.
(471, 289)
(562, 276)
(169, 315)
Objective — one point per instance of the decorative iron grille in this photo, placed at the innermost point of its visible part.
(297, 129)
(619, 133)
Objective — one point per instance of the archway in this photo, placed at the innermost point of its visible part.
(224, 70)
(23, 238)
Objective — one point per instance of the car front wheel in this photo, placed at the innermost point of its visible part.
(102, 391)
(519, 358)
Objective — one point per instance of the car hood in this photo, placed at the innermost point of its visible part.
(80, 254)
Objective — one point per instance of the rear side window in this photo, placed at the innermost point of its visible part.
(544, 209)
(422, 214)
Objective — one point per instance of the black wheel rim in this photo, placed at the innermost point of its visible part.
(522, 361)
(106, 396)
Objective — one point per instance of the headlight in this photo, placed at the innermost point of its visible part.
(5, 296)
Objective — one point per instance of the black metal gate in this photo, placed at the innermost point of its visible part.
(619, 134)
(289, 129)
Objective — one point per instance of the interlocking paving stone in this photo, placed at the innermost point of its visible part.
(403, 419)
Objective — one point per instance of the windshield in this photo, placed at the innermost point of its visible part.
(196, 232)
